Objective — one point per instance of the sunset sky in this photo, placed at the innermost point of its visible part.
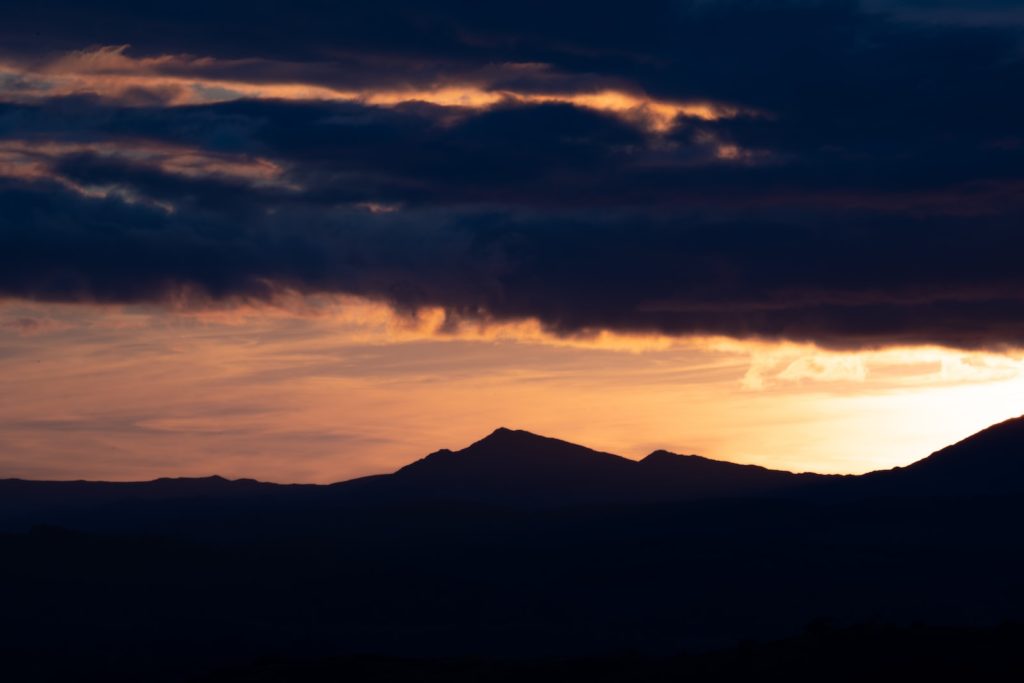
(310, 245)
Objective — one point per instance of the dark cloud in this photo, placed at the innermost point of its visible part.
(537, 155)
(837, 279)
(867, 189)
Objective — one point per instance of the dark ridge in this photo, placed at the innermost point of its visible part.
(662, 458)
(519, 466)
(511, 466)
(990, 462)
(24, 495)
(694, 477)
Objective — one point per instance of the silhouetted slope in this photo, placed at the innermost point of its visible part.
(988, 463)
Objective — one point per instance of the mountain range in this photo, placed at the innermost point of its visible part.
(516, 467)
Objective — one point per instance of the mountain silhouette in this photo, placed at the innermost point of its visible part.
(517, 546)
(518, 466)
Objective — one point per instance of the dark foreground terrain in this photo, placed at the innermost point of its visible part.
(523, 558)
(822, 653)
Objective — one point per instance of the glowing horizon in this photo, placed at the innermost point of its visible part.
(347, 388)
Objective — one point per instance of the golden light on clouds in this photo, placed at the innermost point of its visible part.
(322, 390)
(110, 72)
(30, 160)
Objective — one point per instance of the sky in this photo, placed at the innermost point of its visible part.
(309, 241)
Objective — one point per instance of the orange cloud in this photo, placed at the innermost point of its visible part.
(183, 79)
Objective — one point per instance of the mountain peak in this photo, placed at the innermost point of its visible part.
(514, 462)
(506, 434)
(657, 455)
(519, 443)
(661, 455)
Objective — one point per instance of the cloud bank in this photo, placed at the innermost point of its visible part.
(831, 172)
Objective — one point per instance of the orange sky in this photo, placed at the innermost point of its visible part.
(324, 390)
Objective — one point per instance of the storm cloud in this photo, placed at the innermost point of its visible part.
(841, 173)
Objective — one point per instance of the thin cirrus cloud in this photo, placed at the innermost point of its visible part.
(834, 173)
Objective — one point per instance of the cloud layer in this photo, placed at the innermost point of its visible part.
(841, 173)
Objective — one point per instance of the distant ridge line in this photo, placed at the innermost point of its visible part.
(518, 466)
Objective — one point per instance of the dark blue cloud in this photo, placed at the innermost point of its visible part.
(869, 191)
(838, 279)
